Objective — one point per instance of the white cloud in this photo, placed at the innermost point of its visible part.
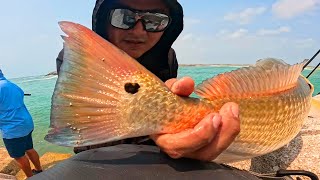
(221, 49)
(266, 32)
(237, 34)
(222, 33)
(287, 9)
(245, 16)
(226, 34)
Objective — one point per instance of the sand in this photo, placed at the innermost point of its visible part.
(9, 167)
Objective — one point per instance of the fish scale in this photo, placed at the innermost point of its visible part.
(266, 137)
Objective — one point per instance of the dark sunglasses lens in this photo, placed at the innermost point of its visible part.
(126, 19)
(155, 22)
(122, 18)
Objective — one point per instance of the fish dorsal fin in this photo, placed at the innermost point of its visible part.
(267, 76)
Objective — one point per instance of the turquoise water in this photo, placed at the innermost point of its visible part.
(41, 88)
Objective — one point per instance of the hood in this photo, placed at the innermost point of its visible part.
(156, 59)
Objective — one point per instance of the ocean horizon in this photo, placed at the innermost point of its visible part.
(41, 89)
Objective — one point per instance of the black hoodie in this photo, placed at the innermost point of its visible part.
(161, 59)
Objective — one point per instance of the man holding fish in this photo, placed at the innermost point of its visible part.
(146, 30)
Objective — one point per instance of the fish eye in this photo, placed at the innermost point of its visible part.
(131, 88)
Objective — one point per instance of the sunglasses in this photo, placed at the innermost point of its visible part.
(127, 19)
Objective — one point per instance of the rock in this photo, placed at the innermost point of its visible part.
(52, 73)
(7, 177)
(7, 164)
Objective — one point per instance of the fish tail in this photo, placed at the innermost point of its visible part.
(95, 82)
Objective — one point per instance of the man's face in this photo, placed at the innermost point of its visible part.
(136, 41)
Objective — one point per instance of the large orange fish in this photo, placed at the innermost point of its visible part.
(104, 95)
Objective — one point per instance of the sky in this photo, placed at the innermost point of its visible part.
(215, 32)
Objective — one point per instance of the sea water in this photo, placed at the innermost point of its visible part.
(41, 88)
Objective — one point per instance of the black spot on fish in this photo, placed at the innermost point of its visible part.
(132, 87)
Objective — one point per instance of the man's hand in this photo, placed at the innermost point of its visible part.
(209, 137)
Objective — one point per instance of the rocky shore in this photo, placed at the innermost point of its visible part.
(10, 170)
(52, 73)
(302, 153)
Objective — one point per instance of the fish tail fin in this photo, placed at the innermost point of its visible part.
(88, 100)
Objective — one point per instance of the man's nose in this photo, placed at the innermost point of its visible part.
(138, 28)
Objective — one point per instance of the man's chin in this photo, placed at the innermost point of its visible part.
(134, 54)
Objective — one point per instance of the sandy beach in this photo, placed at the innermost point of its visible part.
(302, 153)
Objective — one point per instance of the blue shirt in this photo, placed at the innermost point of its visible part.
(15, 119)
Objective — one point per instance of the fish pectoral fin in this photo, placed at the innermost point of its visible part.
(266, 77)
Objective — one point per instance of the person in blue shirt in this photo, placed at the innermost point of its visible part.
(16, 126)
